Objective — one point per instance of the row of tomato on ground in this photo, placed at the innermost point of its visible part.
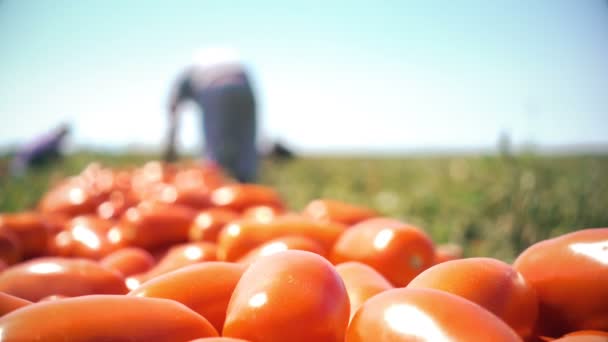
(350, 274)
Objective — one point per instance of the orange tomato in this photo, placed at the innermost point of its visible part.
(129, 261)
(490, 283)
(29, 228)
(425, 315)
(338, 211)
(87, 237)
(262, 213)
(585, 336)
(291, 242)
(397, 250)
(241, 196)
(446, 252)
(105, 318)
(569, 273)
(240, 237)
(289, 296)
(10, 247)
(218, 339)
(9, 303)
(362, 282)
(72, 197)
(205, 288)
(43, 277)
(208, 224)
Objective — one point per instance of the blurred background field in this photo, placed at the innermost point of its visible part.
(491, 205)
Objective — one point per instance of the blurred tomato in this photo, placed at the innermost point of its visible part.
(9, 303)
(205, 288)
(337, 211)
(293, 242)
(241, 196)
(240, 237)
(72, 197)
(129, 261)
(30, 229)
(585, 336)
(10, 247)
(395, 249)
(446, 252)
(362, 282)
(569, 273)
(209, 222)
(289, 296)
(262, 213)
(116, 204)
(218, 339)
(490, 283)
(105, 318)
(425, 315)
(43, 277)
(87, 237)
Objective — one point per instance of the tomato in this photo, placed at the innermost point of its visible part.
(179, 256)
(240, 237)
(129, 261)
(569, 273)
(29, 228)
(337, 211)
(241, 196)
(87, 237)
(152, 224)
(362, 282)
(9, 303)
(490, 283)
(397, 250)
(10, 247)
(293, 242)
(262, 213)
(116, 204)
(289, 296)
(205, 288)
(584, 336)
(43, 277)
(447, 252)
(105, 318)
(208, 223)
(406, 314)
(218, 339)
(71, 198)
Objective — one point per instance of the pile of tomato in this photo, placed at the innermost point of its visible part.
(179, 252)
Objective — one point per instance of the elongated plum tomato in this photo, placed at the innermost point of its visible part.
(490, 283)
(89, 237)
(241, 196)
(337, 211)
(362, 282)
(289, 296)
(106, 318)
(30, 229)
(262, 213)
(284, 243)
(397, 250)
(208, 224)
(10, 303)
(205, 288)
(42, 277)
(240, 237)
(425, 315)
(129, 261)
(569, 273)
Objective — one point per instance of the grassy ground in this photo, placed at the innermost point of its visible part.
(493, 206)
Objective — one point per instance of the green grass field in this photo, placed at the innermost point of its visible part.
(492, 206)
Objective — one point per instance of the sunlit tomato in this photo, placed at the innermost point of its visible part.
(262, 213)
(218, 339)
(281, 244)
(129, 261)
(240, 237)
(205, 288)
(116, 204)
(179, 256)
(289, 296)
(569, 273)
(105, 318)
(10, 303)
(397, 250)
(88, 238)
(362, 282)
(338, 211)
(425, 315)
(447, 252)
(43, 277)
(585, 336)
(490, 283)
(208, 223)
(72, 197)
(152, 224)
(29, 228)
(241, 196)
(10, 247)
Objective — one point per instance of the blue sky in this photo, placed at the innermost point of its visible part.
(330, 75)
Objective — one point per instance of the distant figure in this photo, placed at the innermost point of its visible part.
(218, 83)
(40, 150)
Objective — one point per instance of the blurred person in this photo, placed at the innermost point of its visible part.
(218, 82)
(40, 150)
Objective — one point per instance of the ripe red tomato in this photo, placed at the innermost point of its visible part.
(490, 283)
(569, 273)
(74, 196)
(425, 315)
(397, 250)
(129, 261)
(208, 224)
(205, 288)
(9, 303)
(289, 296)
(290, 242)
(239, 197)
(337, 211)
(43, 277)
(218, 339)
(10, 247)
(262, 213)
(86, 237)
(362, 282)
(105, 318)
(29, 228)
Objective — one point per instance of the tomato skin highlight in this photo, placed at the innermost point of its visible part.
(289, 242)
(208, 224)
(107, 318)
(338, 211)
(569, 273)
(289, 296)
